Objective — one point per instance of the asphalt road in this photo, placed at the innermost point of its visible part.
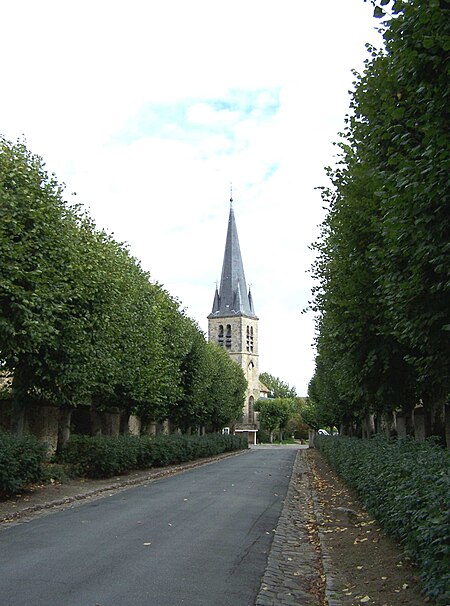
(199, 538)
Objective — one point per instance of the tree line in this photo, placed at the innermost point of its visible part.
(282, 412)
(383, 255)
(82, 324)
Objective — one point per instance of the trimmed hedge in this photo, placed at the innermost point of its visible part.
(22, 461)
(105, 456)
(405, 484)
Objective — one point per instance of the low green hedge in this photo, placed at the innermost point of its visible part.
(405, 484)
(105, 456)
(22, 461)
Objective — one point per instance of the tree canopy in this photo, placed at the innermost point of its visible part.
(81, 323)
(383, 255)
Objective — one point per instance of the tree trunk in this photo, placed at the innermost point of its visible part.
(96, 421)
(65, 417)
(408, 415)
(368, 425)
(271, 436)
(435, 418)
(151, 428)
(17, 422)
(123, 424)
(387, 424)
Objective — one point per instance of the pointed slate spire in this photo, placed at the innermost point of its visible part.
(250, 300)
(232, 299)
(216, 303)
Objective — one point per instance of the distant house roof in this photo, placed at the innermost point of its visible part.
(232, 298)
(263, 387)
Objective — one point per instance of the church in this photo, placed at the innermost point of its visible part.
(233, 325)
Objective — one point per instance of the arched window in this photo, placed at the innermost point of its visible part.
(248, 338)
(220, 335)
(251, 412)
(251, 338)
(228, 337)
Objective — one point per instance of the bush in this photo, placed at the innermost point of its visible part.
(101, 456)
(105, 456)
(263, 436)
(22, 461)
(405, 484)
(57, 473)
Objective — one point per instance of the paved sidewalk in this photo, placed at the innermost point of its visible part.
(295, 573)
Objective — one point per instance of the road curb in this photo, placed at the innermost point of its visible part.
(292, 562)
(299, 569)
(332, 593)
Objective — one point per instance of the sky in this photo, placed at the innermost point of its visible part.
(148, 110)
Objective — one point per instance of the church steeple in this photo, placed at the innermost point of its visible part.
(233, 325)
(232, 298)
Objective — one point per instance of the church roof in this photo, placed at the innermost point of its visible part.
(232, 298)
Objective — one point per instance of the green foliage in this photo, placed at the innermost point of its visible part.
(105, 456)
(226, 389)
(22, 461)
(176, 448)
(100, 456)
(297, 424)
(405, 485)
(56, 473)
(82, 323)
(383, 253)
(274, 413)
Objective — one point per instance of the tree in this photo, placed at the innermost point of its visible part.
(411, 123)
(82, 324)
(297, 425)
(383, 252)
(190, 408)
(274, 413)
(35, 226)
(226, 390)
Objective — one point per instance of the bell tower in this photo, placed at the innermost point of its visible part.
(233, 324)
